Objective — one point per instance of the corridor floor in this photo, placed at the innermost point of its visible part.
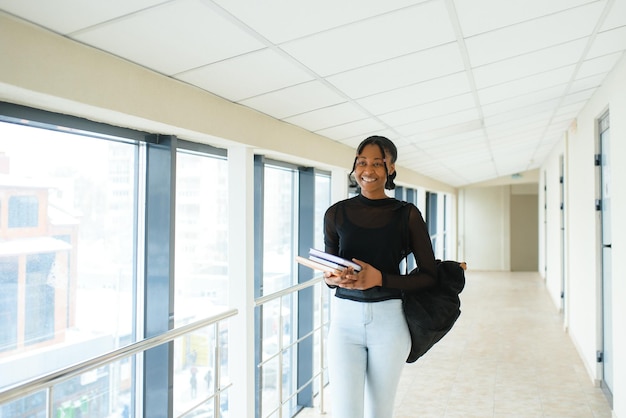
(508, 356)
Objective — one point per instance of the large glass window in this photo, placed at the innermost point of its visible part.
(278, 228)
(279, 316)
(201, 285)
(67, 256)
(322, 293)
(290, 324)
(201, 236)
(431, 218)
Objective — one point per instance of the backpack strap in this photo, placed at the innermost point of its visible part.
(406, 250)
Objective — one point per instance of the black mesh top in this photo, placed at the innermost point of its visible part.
(371, 231)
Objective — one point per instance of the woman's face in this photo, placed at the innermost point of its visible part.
(369, 172)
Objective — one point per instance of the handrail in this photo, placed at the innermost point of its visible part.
(24, 388)
(277, 295)
(295, 288)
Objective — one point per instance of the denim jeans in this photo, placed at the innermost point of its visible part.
(368, 344)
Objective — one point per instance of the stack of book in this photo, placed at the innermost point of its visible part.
(319, 260)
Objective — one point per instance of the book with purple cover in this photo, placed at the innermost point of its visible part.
(329, 261)
(333, 258)
(316, 265)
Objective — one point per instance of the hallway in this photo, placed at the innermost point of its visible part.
(507, 356)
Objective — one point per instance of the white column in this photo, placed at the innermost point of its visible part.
(339, 184)
(241, 280)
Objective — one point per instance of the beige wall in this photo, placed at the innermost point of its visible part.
(524, 232)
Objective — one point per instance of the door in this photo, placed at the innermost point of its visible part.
(562, 231)
(607, 279)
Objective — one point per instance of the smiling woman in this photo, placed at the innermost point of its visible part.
(375, 161)
(369, 340)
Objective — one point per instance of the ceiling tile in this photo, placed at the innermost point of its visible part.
(507, 130)
(447, 122)
(66, 16)
(399, 72)
(247, 75)
(529, 64)
(570, 110)
(608, 42)
(416, 94)
(600, 65)
(467, 163)
(429, 110)
(454, 128)
(533, 35)
(522, 86)
(479, 16)
(351, 130)
(305, 18)
(474, 173)
(517, 118)
(354, 140)
(616, 16)
(585, 83)
(530, 99)
(469, 146)
(374, 40)
(515, 139)
(328, 117)
(294, 100)
(172, 38)
(581, 96)
(443, 173)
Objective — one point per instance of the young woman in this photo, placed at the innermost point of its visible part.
(369, 339)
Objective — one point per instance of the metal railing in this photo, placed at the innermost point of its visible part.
(317, 374)
(48, 381)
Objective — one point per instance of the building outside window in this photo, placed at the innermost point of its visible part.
(67, 240)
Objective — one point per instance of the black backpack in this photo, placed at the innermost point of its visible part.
(431, 313)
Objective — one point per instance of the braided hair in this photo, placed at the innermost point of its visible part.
(386, 148)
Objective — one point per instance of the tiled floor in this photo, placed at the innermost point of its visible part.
(507, 357)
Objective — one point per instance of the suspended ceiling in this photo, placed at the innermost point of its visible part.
(469, 90)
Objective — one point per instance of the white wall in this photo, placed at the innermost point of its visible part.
(581, 254)
(551, 255)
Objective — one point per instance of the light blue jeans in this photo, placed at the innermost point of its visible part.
(368, 344)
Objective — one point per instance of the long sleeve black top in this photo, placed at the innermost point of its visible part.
(372, 231)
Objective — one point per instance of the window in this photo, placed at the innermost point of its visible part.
(68, 285)
(290, 326)
(431, 218)
(201, 253)
(8, 303)
(201, 276)
(23, 211)
(39, 294)
(322, 293)
(278, 227)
